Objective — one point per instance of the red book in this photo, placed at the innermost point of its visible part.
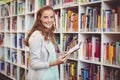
(114, 54)
(107, 51)
(90, 49)
(87, 48)
(97, 50)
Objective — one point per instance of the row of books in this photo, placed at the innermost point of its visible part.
(18, 57)
(53, 3)
(69, 2)
(13, 24)
(90, 19)
(90, 72)
(111, 74)
(11, 70)
(5, 9)
(31, 5)
(110, 20)
(70, 21)
(20, 24)
(4, 23)
(92, 49)
(112, 53)
(70, 40)
(85, 1)
(14, 6)
(21, 7)
(70, 70)
(13, 40)
(91, 46)
(87, 72)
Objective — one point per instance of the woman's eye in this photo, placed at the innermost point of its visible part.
(45, 17)
(52, 17)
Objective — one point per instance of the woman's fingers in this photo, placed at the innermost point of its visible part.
(65, 58)
(64, 55)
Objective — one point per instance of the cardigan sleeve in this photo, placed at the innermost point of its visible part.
(35, 42)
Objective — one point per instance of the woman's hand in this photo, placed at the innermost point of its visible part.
(61, 59)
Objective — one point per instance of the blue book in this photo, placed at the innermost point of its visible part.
(68, 40)
(86, 74)
(15, 41)
(81, 21)
(117, 52)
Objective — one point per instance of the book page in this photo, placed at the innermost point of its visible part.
(76, 47)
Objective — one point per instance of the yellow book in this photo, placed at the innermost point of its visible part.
(99, 22)
(75, 27)
(110, 53)
(104, 20)
(69, 13)
(72, 70)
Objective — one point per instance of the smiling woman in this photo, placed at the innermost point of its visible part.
(42, 43)
(47, 19)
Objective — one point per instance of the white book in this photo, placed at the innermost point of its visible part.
(75, 48)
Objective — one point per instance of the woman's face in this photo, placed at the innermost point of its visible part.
(47, 18)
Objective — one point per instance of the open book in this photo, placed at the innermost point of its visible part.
(75, 48)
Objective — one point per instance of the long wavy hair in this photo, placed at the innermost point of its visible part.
(39, 26)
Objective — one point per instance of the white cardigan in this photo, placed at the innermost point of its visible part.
(39, 53)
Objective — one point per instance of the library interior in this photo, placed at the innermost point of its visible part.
(93, 24)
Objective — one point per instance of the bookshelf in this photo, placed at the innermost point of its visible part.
(94, 22)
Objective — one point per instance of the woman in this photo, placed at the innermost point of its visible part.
(41, 41)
